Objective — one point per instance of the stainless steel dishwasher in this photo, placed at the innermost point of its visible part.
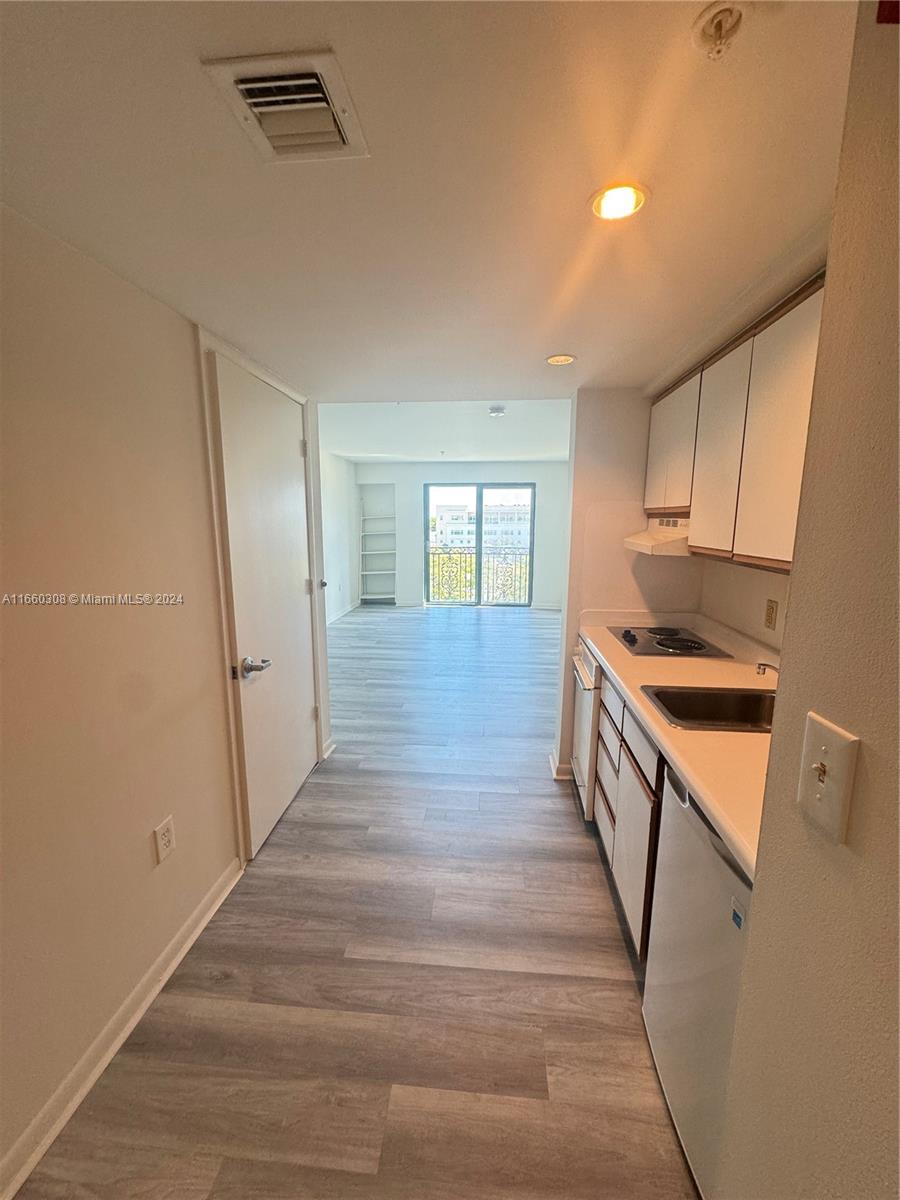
(698, 931)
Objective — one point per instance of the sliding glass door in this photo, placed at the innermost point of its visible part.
(507, 543)
(479, 543)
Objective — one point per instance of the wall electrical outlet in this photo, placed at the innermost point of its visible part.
(771, 614)
(164, 837)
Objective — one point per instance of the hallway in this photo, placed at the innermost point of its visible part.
(418, 990)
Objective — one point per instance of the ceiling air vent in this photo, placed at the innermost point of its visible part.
(292, 106)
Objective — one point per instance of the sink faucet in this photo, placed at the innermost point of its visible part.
(762, 667)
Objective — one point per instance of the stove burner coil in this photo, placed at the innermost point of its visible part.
(679, 645)
(668, 631)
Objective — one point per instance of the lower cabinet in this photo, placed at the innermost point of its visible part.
(637, 812)
(604, 819)
(626, 788)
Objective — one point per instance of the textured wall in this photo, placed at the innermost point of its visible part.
(736, 595)
(608, 466)
(113, 717)
(812, 1112)
(340, 529)
(550, 499)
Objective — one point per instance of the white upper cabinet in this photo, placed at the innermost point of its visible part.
(655, 487)
(670, 457)
(720, 440)
(781, 380)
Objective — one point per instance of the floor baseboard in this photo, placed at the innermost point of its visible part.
(24, 1155)
(559, 770)
(342, 613)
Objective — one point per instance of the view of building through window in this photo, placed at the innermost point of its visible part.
(479, 543)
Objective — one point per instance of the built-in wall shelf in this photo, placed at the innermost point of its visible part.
(377, 544)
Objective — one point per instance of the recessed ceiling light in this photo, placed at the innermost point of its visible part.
(560, 360)
(621, 200)
(497, 410)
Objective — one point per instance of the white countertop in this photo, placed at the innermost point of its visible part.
(724, 772)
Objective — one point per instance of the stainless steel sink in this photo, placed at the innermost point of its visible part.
(746, 710)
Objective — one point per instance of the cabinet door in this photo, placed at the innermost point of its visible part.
(581, 738)
(604, 822)
(682, 423)
(631, 849)
(720, 440)
(655, 487)
(670, 455)
(781, 380)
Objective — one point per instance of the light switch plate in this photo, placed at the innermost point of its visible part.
(826, 775)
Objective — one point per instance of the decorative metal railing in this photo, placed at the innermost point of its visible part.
(505, 576)
(453, 576)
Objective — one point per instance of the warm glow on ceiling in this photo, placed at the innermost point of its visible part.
(560, 360)
(614, 203)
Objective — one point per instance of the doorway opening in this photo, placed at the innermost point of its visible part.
(479, 544)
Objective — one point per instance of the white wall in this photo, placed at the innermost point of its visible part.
(812, 1100)
(610, 430)
(447, 431)
(736, 595)
(551, 502)
(340, 528)
(112, 718)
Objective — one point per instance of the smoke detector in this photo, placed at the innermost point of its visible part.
(716, 28)
(291, 106)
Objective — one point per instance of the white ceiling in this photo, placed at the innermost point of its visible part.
(460, 431)
(451, 261)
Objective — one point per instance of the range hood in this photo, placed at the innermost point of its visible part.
(663, 535)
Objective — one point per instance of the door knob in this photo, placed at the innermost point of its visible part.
(248, 666)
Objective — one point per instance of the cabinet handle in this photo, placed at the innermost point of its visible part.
(606, 803)
(648, 791)
(605, 749)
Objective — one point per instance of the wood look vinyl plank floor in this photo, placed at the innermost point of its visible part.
(419, 989)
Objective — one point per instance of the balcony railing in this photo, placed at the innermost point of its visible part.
(505, 576)
(453, 576)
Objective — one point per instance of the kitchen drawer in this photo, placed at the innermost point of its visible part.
(610, 735)
(644, 751)
(604, 822)
(612, 702)
(608, 774)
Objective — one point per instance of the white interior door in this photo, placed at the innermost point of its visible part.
(264, 474)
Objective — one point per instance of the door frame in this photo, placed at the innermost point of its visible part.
(208, 347)
(479, 526)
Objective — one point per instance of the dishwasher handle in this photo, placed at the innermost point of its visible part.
(581, 676)
(687, 801)
(728, 859)
(678, 788)
(718, 844)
